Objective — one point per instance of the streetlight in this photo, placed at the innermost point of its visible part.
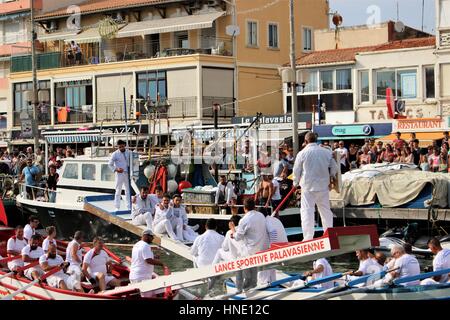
(216, 108)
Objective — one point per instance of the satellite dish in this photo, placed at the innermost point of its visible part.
(233, 31)
(399, 26)
(337, 19)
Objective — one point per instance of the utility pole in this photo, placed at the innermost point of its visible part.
(35, 101)
(216, 108)
(295, 142)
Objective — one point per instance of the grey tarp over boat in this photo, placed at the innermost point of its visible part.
(392, 188)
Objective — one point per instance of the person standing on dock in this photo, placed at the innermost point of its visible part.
(313, 169)
(119, 163)
(142, 211)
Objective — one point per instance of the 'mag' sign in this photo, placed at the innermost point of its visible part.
(352, 130)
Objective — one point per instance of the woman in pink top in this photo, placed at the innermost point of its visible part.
(365, 157)
(435, 160)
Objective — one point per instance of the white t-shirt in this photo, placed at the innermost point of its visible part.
(441, 262)
(140, 269)
(344, 155)
(232, 246)
(409, 266)
(205, 247)
(69, 257)
(28, 232)
(327, 271)
(46, 243)
(33, 254)
(276, 190)
(57, 261)
(275, 230)
(96, 262)
(369, 266)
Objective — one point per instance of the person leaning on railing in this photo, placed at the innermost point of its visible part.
(29, 174)
(52, 180)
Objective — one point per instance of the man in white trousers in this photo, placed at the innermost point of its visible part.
(313, 168)
(119, 163)
(142, 212)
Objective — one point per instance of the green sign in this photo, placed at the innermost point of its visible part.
(352, 130)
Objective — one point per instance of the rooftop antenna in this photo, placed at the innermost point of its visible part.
(337, 21)
(399, 26)
(423, 12)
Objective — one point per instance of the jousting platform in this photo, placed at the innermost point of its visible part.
(103, 207)
(335, 241)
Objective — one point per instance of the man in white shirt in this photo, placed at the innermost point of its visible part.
(95, 266)
(142, 211)
(225, 192)
(180, 220)
(156, 198)
(74, 255)
(277, 234)
(30, 228)
(119, 163)
(162, 221)
(313, 169)
(14, 247)
(276, 195)
(59, 279)
(321, 269)
(252, 232)
(206, 245)
(367, 265)
(342, 150)
(31, 253)
(406, 265)
(441, 261)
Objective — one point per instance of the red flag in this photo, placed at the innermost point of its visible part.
(3, 217)
(390, 103)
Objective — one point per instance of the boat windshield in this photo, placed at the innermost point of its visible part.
(71, 171)
(107, 174)
(88, 171)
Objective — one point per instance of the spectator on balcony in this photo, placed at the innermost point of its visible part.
(43, 112)
(62, 113)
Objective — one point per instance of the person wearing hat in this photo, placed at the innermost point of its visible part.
(142, 259)
(119, 163)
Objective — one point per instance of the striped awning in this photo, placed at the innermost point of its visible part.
(62, 139)
(90, 35)
(184, 23)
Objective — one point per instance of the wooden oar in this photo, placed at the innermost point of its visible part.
(305, 285)
(32, 283)
(421, 276)
(7, 275)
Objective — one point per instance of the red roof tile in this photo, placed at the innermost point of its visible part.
(349, 54)
(92, 6)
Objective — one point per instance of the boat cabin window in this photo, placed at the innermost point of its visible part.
(88, 171)
(107, 174)
(71, 171)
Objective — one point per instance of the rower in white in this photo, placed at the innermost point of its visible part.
(14, 247)
(321, 269)
(74, 255)
(60, 279)
(180, 221)
(162, 221)
(143, 261)
(367, 265)
(51, 234)
(277, 234)
(441, 261)
(142, 211)
(31, 253)
(406, 265)
(314, 168)
(119, 164)
(30, 228)
(252, 232)
(206, 245)
(95, 266)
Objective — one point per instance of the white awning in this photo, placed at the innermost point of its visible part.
(80, 78)
(90, 35)
(54, 36)
(191, 22)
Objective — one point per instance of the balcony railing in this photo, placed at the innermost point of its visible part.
(73, 115)
(226, 109)
(43, 116)
(116, 52)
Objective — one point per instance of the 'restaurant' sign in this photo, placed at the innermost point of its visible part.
(419, 125)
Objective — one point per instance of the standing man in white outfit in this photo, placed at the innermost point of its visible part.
(142, 212)
(313, 169)
(252, 232)
(441, 261)
(162, 223)
(119, 163)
